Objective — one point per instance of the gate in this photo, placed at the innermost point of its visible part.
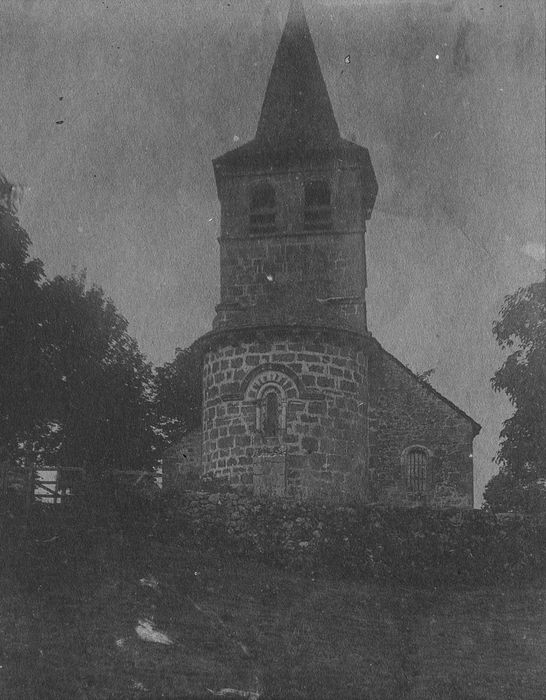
(54, 486)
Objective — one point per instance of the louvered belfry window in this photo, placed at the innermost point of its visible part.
(263, 206)
(417, 460)
(318, 206)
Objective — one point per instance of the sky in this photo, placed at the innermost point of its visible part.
(111, 112)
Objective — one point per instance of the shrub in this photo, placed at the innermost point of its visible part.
(506, 492)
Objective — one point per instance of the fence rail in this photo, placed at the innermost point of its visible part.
(53, 487)
(61, 484)
(59, 487)
(58, 484)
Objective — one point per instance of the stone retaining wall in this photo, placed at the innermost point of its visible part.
(425, 546)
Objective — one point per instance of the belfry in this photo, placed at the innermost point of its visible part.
(298, 398)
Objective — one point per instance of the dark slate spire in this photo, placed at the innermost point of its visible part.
(297, 114)
(297, 126)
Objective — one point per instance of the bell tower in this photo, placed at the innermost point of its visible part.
(285, 375)
(294, 204)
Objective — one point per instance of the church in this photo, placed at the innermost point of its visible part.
(299, 400)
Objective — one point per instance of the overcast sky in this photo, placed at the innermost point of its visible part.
(448, 96)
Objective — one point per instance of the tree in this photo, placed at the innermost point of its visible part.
(74, 388)
(179, 393)
(522, 454)
(23, 374)
(505, 492)
(102, 399)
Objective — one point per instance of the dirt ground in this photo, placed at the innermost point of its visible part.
(68, 630)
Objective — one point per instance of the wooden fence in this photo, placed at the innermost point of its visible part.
(59, 485)
(56, 486)
(52, 487)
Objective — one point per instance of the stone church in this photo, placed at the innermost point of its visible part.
(298, 398)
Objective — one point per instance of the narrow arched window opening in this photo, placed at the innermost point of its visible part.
(416, 471)
(318, 205)
(271, 414)
(263, 206)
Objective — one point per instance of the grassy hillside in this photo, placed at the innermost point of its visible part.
(70, 601)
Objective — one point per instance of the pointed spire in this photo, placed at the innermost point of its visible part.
(297, 113)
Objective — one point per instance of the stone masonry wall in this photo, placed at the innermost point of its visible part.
(413, 546)
(311, 279)
(324, 440)
(286, 274)
(403, 412)
(183, 460)
(345, 181)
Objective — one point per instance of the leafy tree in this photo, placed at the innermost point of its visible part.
(505, 492)
(179, 393)
(74, 388)
(23, 375)
(522, 455)
(102, 400)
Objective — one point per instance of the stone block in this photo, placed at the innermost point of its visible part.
(317, 407)
(349, 387)
(309, 444)
(284, 357)
(243, 440)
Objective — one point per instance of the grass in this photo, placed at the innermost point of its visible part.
(69, 607)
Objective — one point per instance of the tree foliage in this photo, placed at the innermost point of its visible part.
(102, 397)
(23, 376)
(74, 388)
(507, 492)
(521, 329)
(179, 393)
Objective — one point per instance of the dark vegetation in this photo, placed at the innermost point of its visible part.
(521, 329)
(76, 392)
(75, 584)
(179, 392)
(75, 389)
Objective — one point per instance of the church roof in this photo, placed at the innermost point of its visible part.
(297, 111)
(476, 427)
(260, 155)
(297, 122)
(297, 126)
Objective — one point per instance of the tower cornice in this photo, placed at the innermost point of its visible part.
(318, 334)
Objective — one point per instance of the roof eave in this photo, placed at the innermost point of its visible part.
(476, 427)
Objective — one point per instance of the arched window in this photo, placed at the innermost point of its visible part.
(271, 414)
(262, 208)
(271, 411)
(318, 205)
(416, 461)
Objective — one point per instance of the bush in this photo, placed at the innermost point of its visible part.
(506, 493)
